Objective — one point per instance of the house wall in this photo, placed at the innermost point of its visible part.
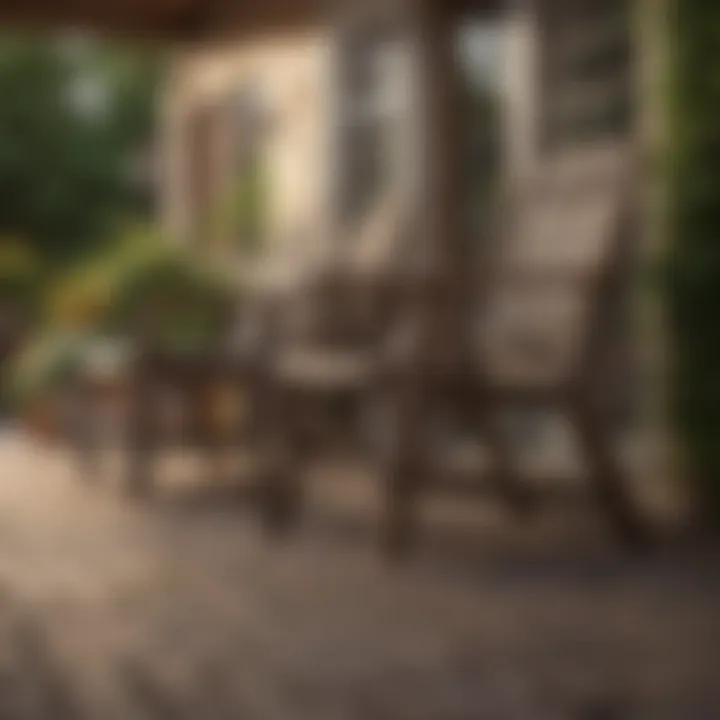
(545, 96)
(292, 76)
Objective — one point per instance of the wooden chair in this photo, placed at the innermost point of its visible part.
(198, 387)
(540, 333)
(162, 401)
(192, 387)
(285, 297)
(331, 352)
(156, 384)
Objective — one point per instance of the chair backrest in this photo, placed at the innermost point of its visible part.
(339, 294)
(352, 297)
(564, 222)
(562, 242)
(377, 244)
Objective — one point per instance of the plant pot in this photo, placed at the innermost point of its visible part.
(40, 420)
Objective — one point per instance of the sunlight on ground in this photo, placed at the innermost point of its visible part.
(169, 611)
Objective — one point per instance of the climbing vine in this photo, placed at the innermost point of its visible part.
(693, 279)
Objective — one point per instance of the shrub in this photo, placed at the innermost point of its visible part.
(166, 302)
(20, 281)
(82, 299)
(49, 362)
(148, 291)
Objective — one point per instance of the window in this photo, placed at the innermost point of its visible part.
(371, 97)
(479, 49)
(201, 171)
(246, 204)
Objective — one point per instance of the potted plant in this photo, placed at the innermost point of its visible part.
(41, 375)
(172, 304)
(149, 292)
(144, 295)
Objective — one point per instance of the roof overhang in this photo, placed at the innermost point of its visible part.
(183, 20)
(161, 19)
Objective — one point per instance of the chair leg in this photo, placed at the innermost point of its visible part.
(140, 440)
(405, 475)
(283, 506)
(400, 521)
(210, 433)
(84, 432)
(281, 485)
(609, 479)
(518, 495)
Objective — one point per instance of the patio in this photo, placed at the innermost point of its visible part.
(111, 608)
(117, 610)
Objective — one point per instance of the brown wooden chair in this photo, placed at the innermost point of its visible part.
(158, 401)
(540, 333)
(284, 294)
(211, 403)
(148, 402)
(172, 400)
(332, 350)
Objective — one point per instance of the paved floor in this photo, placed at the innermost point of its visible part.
(185, 610)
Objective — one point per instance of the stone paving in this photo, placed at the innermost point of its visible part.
(185, 610)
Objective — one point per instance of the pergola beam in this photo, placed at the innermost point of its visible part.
(115, 17)
(187, 20)
(181, 20)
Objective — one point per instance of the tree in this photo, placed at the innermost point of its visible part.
(70, 117)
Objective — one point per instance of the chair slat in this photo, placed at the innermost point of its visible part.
(545, 282)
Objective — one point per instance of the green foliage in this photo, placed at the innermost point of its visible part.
(172, 304)
(148, 291)
(693, 280)
(81, 299)
(49, 362)
(251, 202)
(20, 278)
(241, 214)
(69, 122)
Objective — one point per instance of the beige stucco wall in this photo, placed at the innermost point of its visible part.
(296, 73)
(294, 76)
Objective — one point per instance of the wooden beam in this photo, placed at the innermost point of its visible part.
(132, 18)
(433, 29)
(192, 19)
